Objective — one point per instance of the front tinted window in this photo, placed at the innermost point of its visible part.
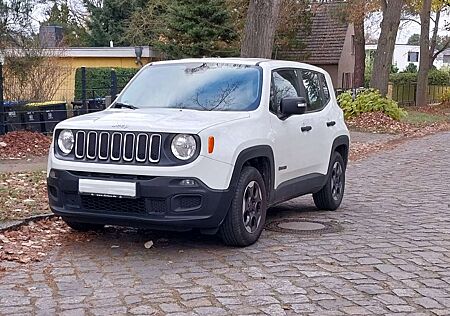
(284, 84)
(197, 86)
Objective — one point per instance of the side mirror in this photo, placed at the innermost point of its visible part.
(293, 106)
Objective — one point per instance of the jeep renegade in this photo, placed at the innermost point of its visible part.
(204, 144)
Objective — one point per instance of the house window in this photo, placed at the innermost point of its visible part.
(413, 57)
(446, 59)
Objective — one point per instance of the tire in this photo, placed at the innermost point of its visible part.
(331, 195)
(246, 219)
(83, 227)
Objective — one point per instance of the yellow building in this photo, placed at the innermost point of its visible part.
(73, 58)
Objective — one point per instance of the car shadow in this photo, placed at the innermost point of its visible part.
(112, 235)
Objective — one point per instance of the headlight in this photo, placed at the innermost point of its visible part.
(66, 141)
(183, 146)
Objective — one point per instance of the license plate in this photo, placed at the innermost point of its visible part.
(107, 188)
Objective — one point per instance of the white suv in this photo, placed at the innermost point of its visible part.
(204, 144)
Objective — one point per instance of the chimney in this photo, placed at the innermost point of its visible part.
(50, 36)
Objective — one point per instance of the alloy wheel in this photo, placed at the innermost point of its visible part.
(337, 184)
(251, 206)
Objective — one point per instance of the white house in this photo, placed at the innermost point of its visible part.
(405, 54)
(443, 59)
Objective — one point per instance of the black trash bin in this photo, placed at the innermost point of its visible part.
(13, 115)
(43, 116)
(52, 114)
(78, 108)
(95, 105)
(32, 120)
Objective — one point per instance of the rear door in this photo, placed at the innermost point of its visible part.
(320, 115)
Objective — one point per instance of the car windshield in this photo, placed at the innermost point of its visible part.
(195, 86)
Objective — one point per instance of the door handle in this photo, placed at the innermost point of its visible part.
(331, 123)
(306, 128)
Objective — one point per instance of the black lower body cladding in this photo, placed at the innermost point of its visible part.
(160, 202)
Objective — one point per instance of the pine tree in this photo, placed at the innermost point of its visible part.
(75, 34)
(196, 28)
(108, 22)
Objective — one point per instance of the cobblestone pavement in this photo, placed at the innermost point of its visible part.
(392, 256)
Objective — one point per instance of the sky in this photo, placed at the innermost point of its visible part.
(406, 28)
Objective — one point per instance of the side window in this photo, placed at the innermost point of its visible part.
(313, 89)
(325, 90)
(317, 90)
(284, 84)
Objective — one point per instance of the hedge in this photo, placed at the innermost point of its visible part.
(98, 81)
(435, 77)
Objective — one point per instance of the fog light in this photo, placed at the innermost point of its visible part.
(188, 182)
(52, 174)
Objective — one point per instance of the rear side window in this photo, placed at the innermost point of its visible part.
(285, 83)
(313, 89)
(317, 91)
(326, 91)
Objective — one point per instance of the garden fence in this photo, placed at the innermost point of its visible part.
(405, 94)
(23, 106)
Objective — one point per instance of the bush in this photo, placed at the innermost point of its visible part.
(445, 97)
(403, 78)
(411, 68)
(435, 77)
(369, 101)
(98, 81)
(439, 77)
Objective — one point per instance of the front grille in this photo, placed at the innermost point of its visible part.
(124, 205)
(125, 147)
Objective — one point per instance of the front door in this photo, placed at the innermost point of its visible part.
(292, 135)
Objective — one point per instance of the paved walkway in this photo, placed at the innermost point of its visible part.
(391, 257)
(23, 165)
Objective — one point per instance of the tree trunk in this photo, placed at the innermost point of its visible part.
(386, 43)
(260, 28)
(360, 52)
(433, 41)
(424, 62)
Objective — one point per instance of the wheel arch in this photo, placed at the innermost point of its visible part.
(341, 145)
(261, 158)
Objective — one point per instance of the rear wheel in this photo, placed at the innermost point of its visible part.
(330, 196)
(247, 215)
(83, 227)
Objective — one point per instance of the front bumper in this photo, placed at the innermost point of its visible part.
(161, 202)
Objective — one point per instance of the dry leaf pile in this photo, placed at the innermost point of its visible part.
(378, 122)
(23, 195)
(23, 144)
(33, 241)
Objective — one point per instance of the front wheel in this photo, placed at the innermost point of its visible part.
(330, 196)
(247, 215)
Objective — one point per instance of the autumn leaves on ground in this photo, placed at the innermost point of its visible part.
(24, 194)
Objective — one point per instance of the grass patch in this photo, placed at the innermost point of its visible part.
(22, 195)
(422, 118)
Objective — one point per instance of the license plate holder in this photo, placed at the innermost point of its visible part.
(107, 188)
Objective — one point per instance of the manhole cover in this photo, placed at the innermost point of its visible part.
(302, 226)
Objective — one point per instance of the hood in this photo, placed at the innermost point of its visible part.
(152, 120)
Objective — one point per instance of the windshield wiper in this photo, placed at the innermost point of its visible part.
(120, 105)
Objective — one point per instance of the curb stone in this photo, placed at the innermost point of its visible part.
(13, 224)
